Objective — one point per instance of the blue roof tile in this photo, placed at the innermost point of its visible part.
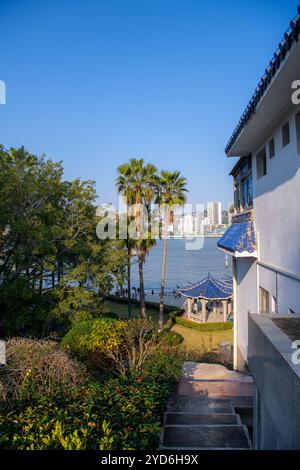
(240, 236)
(209, 289)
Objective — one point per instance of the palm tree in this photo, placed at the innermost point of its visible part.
(138, 184)
(172, 189)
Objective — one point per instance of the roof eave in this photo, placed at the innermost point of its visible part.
(289, 47)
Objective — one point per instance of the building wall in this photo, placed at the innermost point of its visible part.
(277, 218)
(245, 303)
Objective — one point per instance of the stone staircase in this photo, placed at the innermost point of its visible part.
(211, 410)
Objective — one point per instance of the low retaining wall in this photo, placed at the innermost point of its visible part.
(277, 384)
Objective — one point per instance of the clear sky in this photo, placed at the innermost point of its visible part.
(94, 83)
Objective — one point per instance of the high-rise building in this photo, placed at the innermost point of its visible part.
(199, 217)
(214, 213)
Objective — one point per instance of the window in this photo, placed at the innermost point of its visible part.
(261, 163)
(243, 187)
(274, 304)
(247, 192)
(264, 306)
(285, 134)
(272, 148)
(297, 118)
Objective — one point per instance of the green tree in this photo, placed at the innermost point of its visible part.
(172, 189)
(48, 242)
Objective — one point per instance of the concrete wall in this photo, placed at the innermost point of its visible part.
(277, 381)
(246, 302)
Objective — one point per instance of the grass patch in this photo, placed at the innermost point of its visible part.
(202, 340)
(203, 346)
(119, 307)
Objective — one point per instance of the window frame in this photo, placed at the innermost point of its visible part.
(261, 168)
(264, 300)
(285, 134)
(297, 126)
(272, 145)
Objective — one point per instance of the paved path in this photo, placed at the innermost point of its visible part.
(211, 409)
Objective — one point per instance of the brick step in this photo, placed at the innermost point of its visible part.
(200, 418)
(215, 388)
(242, 401)
(198, 404)
(246, 414)
(201, 437)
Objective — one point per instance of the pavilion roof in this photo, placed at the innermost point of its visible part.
(209, 289)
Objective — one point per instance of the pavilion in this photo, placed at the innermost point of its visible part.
(209, 291)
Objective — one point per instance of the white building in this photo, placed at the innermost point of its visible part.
(214, 213)
(199, 218)
(267, 192)
(186, 225)
(264, 238)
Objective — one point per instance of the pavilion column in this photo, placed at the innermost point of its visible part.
(204, 313)
(215, 309)
(225, 310)
(189, 307)
(195, 307)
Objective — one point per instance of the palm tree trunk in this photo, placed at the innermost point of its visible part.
(129, 282)
(162, 289)
(142, 291)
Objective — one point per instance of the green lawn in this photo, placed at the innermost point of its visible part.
(199, 340)
(121, 309)
(193, 340)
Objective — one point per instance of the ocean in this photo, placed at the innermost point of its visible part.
(183, 266)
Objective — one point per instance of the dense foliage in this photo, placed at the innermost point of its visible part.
(53, 268)
(118, 414)
(120, 347)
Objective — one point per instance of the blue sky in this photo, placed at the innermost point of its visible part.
(94, 83)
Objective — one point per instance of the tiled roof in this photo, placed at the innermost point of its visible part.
(290, 37)
(240, 236)
(209, 289)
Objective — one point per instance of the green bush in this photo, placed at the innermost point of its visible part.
(164, 367)
(209, 326)
(88, 337)
(121, 347)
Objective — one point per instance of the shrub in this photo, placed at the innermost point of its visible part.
(38, 369)
(88, 337)
(164, 367)
(117, 346)
(210, 326)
